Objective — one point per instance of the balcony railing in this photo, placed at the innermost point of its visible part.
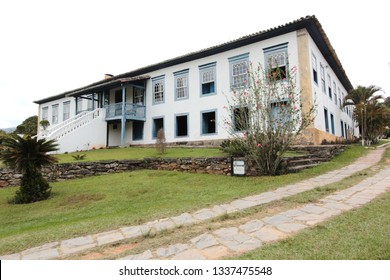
(132, 111)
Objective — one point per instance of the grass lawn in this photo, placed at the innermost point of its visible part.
(140, 152)
(361, 234)
(94, 204)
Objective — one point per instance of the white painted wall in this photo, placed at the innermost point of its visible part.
(195, 104)
(92, 135)
(322, 99)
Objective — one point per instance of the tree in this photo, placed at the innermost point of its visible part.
(371, 114)
(27, 155)
(44, 123)
(29, 126)
(3, 136)
(266, 117)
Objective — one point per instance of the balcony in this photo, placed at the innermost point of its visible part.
(131, 111)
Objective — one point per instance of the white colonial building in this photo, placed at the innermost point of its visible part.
(187, 95)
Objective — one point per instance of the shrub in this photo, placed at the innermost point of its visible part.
(33, 187)
(160, 141)
(266, 116)
(234, 147)
(79, 157)
(27, 155)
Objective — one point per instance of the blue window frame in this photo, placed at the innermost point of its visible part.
(158, 123)
(280, 114)
(45, 113)
(332, 124)
(238, 66)
(158, 87)
(207, 76)
(208, 122)
(54, 114)
(314, 66)
(330, 87)
(181, 84)
(181, 125)
(322, 73)
(276, 61)
(241, 118)
(138, 130)
(326, 119)
(339, 95)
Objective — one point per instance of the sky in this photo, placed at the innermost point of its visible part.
(49, 47)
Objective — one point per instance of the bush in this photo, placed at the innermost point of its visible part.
(33, 187)
(160, 141)
(79, 157)
(234, 147)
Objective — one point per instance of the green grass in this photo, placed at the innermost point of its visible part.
(361, 234)
(89, 205)
(138, 153)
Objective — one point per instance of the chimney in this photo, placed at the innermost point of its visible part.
(108, 76)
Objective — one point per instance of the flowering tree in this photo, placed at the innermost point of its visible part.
(266, 117)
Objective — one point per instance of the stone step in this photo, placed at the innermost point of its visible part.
(298, 168)
(305, 161)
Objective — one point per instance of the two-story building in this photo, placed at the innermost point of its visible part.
(186, 95)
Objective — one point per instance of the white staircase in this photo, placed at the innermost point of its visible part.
(81, 132)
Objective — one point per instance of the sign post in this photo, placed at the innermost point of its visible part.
(237, 167)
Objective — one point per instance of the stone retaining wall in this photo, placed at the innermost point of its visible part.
(215, 165)
(65, 171)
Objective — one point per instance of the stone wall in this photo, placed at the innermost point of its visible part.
(215, 165)
(65, 171)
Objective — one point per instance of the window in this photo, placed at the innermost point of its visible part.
(66, 111)
(239, 71)
(54, 110)
(339, 94)
(106, 99)
(138, 96)
(90, 102)
(158, 123)
(138, 130)
(181, 125)
(326, 120)
(208, 122)
(342, 128)
(207, 79)
(79, 104)
(118, 96)
(181, 85)
(314, 66)
(241, 118)
(334, 92)
(322, 73)
(158, 89)
(276, 62)
(280, 113)
(45, 113)
(332, 124)
(330, 87)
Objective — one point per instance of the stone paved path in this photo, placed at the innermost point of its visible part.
(252, 235)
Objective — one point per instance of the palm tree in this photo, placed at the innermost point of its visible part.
(27, 155)
(363, 98)
(361, 94)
